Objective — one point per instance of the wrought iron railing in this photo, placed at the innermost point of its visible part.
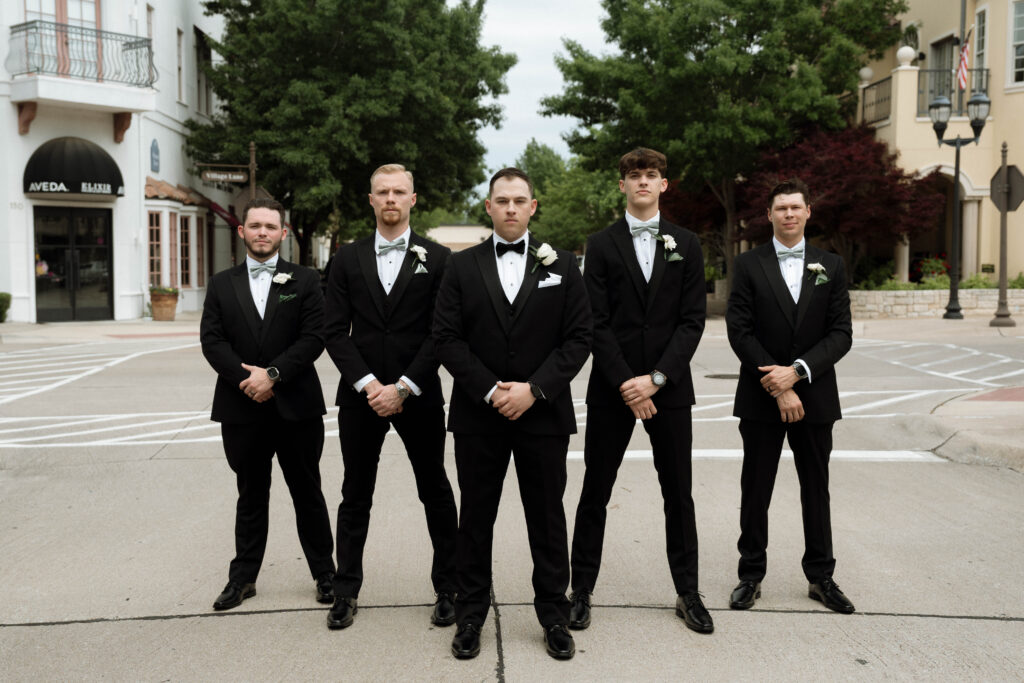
(934, 82)
(45, 47)
(876, 101)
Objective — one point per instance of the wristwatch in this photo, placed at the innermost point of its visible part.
(801, 371)
(658, 378)
(273, 374)
(403, 393)
(536, 391)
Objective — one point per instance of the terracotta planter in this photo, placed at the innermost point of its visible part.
(164, 305)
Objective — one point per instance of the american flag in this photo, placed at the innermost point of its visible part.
(965, 53)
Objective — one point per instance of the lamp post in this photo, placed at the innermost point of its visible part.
(939, 112)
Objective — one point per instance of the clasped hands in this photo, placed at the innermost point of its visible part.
(512, 399)
(779, 382)
(637, 393)
(257, 385)
(383, 398)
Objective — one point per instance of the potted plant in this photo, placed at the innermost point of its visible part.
(164, 301)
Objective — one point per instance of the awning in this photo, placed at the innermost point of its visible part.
(225, 214)
(73, 168)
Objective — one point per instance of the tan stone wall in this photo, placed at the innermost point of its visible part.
(931, 303)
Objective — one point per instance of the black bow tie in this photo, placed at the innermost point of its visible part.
(503, 248)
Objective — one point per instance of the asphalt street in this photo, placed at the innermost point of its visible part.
(116, 514)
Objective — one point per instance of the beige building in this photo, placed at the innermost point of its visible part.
(894, 97)
(459, 237)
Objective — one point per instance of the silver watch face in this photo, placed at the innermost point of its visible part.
(658, 379)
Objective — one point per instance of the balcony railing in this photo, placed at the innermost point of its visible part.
(47, 48)
(934, 82)
(876, 104)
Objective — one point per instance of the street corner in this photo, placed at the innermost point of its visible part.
(989, 427)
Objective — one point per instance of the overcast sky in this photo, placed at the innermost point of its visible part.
(533, 31)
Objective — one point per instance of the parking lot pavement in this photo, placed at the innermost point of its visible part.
(116, 510)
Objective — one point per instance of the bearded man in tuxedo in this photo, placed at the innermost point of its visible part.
(380, 309)
(789, 323)
(261, 330)
(512, 326)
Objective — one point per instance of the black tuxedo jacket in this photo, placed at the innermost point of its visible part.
(639, 326)
(542, 337)
(389, 335)
(766, 328)
(290, 337)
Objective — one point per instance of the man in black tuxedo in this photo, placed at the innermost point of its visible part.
(512, 326)
(262, 329)
(789, 324)
(380, 309)
(645, 278)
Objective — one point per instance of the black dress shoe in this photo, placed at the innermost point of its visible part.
(342, 613)
(559, 642)
(444, 610)
(690, 609)
(325, 588)
(233, 594)
(579, 610)
(466, 643)
(827, 592)
(744, 595)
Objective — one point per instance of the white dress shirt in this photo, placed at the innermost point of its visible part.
(388, 266)
(511, 271)
(793, 273)
(644, 244)
(260, 285)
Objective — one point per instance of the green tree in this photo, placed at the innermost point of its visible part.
(713, 82)
(542, 163)
(331, 89)
(577, 204)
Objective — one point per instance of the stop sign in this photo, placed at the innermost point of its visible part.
(1003, 201)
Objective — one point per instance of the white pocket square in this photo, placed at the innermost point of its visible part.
(418, 269)
(551, 280)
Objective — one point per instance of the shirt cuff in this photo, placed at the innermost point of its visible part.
(412, 385)
(487, 398)
(807, 368)
(361, 384)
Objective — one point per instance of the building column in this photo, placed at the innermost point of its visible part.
(969, 238)
(901, 259)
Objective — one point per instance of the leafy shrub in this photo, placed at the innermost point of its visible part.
(1017, 282)
(892, 284)
(978, 281)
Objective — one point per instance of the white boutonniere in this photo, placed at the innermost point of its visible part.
(819, 270)
(420, 252)
(281, 278)
(670, 247)
(544, 255)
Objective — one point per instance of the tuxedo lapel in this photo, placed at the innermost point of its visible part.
(405, 273)
(240, 283)
(274, 296)
(624, 243)
(770, 264)
(485, 260)
(530, 278)
(368, 264)
(813, 255)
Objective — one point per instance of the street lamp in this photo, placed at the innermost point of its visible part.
(939, 112)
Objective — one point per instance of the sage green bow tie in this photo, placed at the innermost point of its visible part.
(647, 226)
(254, 271)
(796, 252)
(385, 247)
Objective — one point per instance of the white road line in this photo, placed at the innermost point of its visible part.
(134, 425)
(951, 359)
(980, 367)
(1009, 374)
(886, 401)
(94, 370)
(737, 454)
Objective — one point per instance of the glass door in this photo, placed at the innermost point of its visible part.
(73, 264)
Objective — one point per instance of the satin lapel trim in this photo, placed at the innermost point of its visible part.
(530, 279)
(274, 295)
(488, 265)
(770, 265)
(368, 264)
(624, 242)
(404, 275)
(657, 272)
(240, 281)
(807, 287)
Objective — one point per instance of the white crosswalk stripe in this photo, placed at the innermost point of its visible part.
(949, 361)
